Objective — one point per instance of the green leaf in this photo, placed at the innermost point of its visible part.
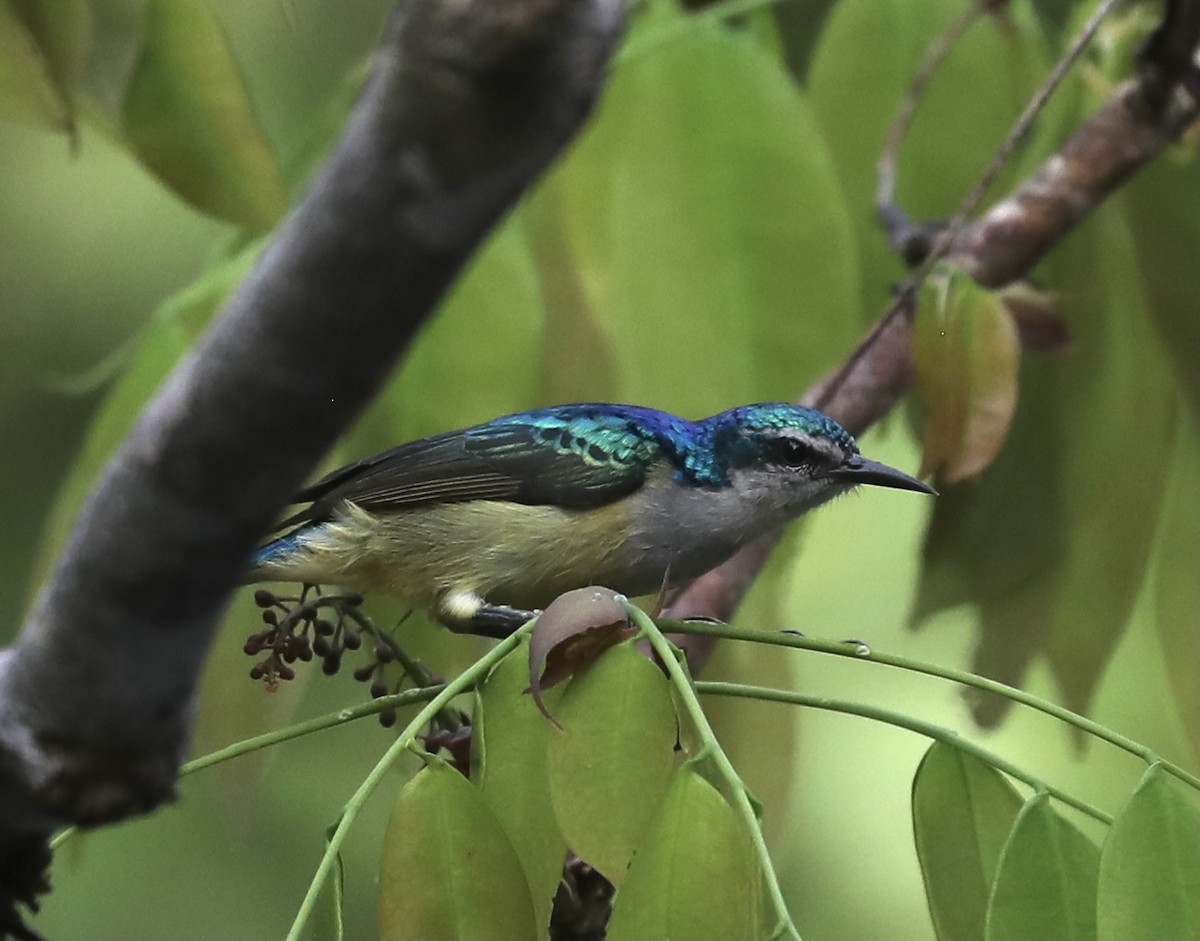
(62, 32)
(448, 870)
(1162, 204)
(702, 191)
(579, 360)
(962, 811)
(695, 875)
(1046, 882)
(1116, 380)
(441, 384)
(1150, 865)
(966, 355)
(510, 739)
(41, 48)
(188, 118)
(982, 546)
(1177, 591)
(172, 330)
(611, 763)
(1052, 542)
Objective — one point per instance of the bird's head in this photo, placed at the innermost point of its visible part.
(794, 458)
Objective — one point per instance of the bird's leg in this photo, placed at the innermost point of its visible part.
(466, 612)
(497, 621)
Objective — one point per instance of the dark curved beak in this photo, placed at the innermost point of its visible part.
(860, 470)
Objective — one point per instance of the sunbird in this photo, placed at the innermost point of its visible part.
(486, 525)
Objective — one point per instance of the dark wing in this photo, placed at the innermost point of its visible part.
(576, 456)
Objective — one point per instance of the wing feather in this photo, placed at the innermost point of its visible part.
(575, 456)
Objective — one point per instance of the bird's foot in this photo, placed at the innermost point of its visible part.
(496, 621)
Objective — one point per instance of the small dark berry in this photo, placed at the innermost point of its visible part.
(331, 663)
(321, 647)
(257, 671)
(378, 688)
(352, 641)
(264, 598)
(384, 654)
(253, 645)
(364, 673)
(304, 652)
(270, 617)
(387, 718)
(286, 673)
(323, 627)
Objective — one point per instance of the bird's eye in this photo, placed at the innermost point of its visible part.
(793, 453)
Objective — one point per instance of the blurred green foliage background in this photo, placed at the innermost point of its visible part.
(709, 241)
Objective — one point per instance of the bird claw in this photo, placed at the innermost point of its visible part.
(496, 621)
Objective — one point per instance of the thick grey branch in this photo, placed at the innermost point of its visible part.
(468, 101)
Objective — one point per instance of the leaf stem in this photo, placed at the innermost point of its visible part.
(318, 724)
(711, 748)
(921, 727)
(858, 651)
(460, 684)
(276, 736)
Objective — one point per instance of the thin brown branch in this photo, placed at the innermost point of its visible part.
(922, 245)
(1128, 132)
(906, 239)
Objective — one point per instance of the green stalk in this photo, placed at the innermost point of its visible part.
(318, 724)
(928, 729)
(711, 748)
(857, 651)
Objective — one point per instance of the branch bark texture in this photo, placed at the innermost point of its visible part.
(467, 103)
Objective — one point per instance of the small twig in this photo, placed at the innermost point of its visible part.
(903, 305)
(893, 218)
(448, 719)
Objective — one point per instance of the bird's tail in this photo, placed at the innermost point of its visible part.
(270, 562)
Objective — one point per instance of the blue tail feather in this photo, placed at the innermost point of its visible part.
(277, 550)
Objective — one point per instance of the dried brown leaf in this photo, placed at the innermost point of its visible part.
(573, 631)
